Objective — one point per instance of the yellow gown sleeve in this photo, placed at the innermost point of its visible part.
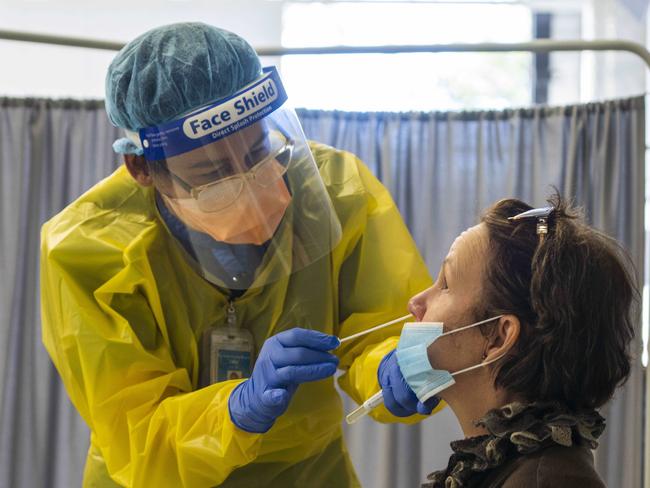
(381, 271)
(108, 340)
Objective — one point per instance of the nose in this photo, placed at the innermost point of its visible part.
(416, 307)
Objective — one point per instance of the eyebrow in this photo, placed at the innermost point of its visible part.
(443, 268)
(448, 269)
(210, 164)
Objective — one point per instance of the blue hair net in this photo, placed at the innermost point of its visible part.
(170, 70)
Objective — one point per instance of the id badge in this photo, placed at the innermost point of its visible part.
(231, 354)
(228, 352)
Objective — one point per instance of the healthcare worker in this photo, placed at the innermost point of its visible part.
(192, 300)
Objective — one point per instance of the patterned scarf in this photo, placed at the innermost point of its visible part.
(514, 430)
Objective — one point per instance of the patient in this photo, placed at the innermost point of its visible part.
(557, 352)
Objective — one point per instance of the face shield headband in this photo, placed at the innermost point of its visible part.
(215, 121)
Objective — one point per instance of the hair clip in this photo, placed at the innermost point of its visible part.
(541, 214)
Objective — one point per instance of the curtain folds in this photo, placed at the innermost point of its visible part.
(442, 168)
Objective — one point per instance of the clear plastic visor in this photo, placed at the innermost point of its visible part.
(216, 174)
(253, 203)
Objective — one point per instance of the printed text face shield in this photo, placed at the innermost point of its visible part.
(241, 178)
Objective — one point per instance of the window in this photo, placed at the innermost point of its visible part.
(399, 82)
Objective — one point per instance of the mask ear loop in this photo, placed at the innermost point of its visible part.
(476, 324)
(480, 365)
(476, 366)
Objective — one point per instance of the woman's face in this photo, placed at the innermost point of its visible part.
(452, 300)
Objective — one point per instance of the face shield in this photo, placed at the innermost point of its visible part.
(240, 177)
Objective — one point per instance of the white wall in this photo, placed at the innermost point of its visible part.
(29, 69)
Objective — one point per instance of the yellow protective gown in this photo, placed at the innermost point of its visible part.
(123, 314)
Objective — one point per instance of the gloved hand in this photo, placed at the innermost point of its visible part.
(286, 360)
(399, 399)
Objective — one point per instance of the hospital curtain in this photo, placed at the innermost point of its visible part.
(50, 153)
(442, 169)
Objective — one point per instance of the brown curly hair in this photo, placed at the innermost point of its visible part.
(572, 292)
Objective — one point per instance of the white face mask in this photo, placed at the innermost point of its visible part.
(413, 359)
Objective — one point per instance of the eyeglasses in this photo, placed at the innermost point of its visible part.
(541, 214)
(220, 194)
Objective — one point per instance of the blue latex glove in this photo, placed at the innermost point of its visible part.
(399, 398)
(286, 360)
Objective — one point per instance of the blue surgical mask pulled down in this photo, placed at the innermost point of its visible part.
(413, 359)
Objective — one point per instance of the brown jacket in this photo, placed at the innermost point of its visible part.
(554, 467)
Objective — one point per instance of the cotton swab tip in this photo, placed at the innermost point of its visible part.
(356, 414)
